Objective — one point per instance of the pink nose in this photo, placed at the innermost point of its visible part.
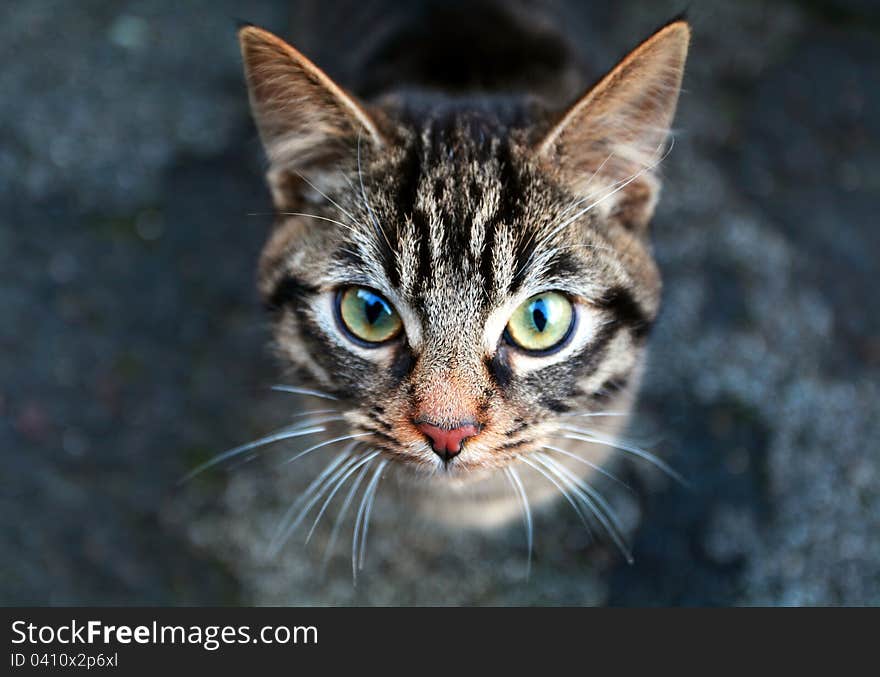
(447, 442)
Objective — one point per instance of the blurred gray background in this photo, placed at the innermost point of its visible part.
(132, 344)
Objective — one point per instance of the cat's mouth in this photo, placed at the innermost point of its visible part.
(469, 450)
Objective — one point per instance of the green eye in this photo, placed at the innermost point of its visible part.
(366, 316)
(542, 323)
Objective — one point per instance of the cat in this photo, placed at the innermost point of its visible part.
(461, 263)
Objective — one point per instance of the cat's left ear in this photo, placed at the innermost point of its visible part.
(306, 121)
(607, 146)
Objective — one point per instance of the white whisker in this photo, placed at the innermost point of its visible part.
(370, 492)
(635, 451)
(520, 490)
(355, 463)
(316, 412)
(597, 247)
(316, 421)
(303, 391)
(599, 469)
(594, 413)
(562, 490)
(286, 433)
(615, 188)
(340, 516)
(321, 445)
(593, 500)
(372, 214)
(347, 226)
(329, 199)
(339, 485)
(344, 457)
(357, 527)
(576, 203)
(354, 540)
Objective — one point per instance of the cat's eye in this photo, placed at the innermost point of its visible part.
(542, 323)
(366, 316)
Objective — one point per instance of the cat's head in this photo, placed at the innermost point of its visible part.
(462, 274)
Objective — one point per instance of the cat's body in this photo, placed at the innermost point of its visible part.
(459, 259)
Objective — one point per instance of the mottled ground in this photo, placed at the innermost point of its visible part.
(133, 344)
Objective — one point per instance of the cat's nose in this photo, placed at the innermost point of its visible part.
(446, 441)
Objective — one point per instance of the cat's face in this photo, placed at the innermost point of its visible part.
(462, 280)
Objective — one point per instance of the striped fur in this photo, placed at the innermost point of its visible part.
(457, 209)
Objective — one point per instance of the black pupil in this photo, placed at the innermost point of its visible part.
(539, 315)
(373, 309)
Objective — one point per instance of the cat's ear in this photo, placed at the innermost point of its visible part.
(613, 138)
(307, 122)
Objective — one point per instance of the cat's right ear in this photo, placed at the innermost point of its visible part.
(307, 123)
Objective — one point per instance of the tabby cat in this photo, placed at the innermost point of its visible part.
(465, 271)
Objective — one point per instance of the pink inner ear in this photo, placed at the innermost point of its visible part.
(620, 126)
(297, 107)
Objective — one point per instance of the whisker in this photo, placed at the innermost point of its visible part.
(594, 501)
(593, 413)
(640, 442)
(333, 493)
(321, 445)
(589, 431)
(337, 524)
(329, 199)
(586, 185)
(585, 245)
(316, 412)
(585, 487)
(354, 541)
(599, 469)
(609, 194)
(344, 457)
(316, 421)
(372, 214)
(574, 203)
(286, 433)
(357, 529)
(356, 462)
(518, 487)
(302, 391)
(348, 181)
(635, 451)
(565, 493)
(615, 188)
(347, 226)
(631, 441)
(370, 491)
(241, 461)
